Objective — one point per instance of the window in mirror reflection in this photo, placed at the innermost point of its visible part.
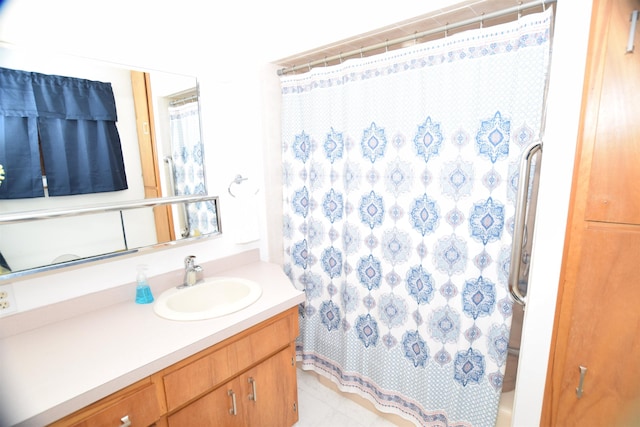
(60, 127)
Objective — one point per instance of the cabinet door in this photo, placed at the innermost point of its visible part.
(265, 395)
(605, 333)
(219, 408)
(271, 391)
(614, 193)
(597, 319)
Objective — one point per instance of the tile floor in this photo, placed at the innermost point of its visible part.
(320, 406)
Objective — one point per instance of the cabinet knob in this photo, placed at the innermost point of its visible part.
(126, 422)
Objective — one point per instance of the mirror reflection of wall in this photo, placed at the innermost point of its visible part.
(34, 244)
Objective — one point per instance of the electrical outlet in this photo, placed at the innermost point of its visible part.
(7, 301)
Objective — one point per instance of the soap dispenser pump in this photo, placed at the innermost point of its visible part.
(143, 291)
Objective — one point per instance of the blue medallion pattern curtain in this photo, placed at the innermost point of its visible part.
(400, 174)
(74, 121)
(188, 160)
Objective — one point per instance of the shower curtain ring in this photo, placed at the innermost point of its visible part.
(340, 57)
(482, 20)
(386, 45)
(519, 10)
(446, 30)
(361, 55)
(325, 60)
(309, 65)
(544, 6)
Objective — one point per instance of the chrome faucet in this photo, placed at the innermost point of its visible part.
(191, 271)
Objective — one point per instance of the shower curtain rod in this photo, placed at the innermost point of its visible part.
(443, 29)
(182, 101)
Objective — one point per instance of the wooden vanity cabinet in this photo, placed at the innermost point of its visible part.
(263, 396)
(256, 368)
(200, 390)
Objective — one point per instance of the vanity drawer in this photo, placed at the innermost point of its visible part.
(205, 371)
(140, 405)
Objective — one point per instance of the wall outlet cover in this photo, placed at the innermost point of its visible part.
(7, 300)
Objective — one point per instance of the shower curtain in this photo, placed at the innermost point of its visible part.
(400, 174)
(188, 160)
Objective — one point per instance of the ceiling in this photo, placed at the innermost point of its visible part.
(383, 38)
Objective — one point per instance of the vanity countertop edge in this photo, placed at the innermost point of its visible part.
(54, 370)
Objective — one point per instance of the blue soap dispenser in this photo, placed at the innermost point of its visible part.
(143, 291)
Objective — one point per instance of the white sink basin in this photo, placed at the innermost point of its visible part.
(215, 297)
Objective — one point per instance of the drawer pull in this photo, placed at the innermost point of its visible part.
(254, 395)
(234, 409)
(126, 422)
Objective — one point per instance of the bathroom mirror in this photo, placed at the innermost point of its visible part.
(102, 231)
(158, 122)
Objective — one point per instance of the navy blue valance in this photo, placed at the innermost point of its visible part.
(73, 99)
(71, 123)
(16, 94)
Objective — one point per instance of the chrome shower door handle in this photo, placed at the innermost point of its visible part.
(520, 223)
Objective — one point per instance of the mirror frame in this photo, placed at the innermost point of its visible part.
(43, 214)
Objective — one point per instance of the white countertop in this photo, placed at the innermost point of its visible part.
(56, 369)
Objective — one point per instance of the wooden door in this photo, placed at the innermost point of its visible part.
(597, 324)
(142, 96)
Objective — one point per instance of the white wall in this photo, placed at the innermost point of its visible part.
(228, 47)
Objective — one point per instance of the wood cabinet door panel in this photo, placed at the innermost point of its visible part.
(212, 410)
(265, 395)
(199, 376)
(604, 338)
(614, 193)
(274, 383)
